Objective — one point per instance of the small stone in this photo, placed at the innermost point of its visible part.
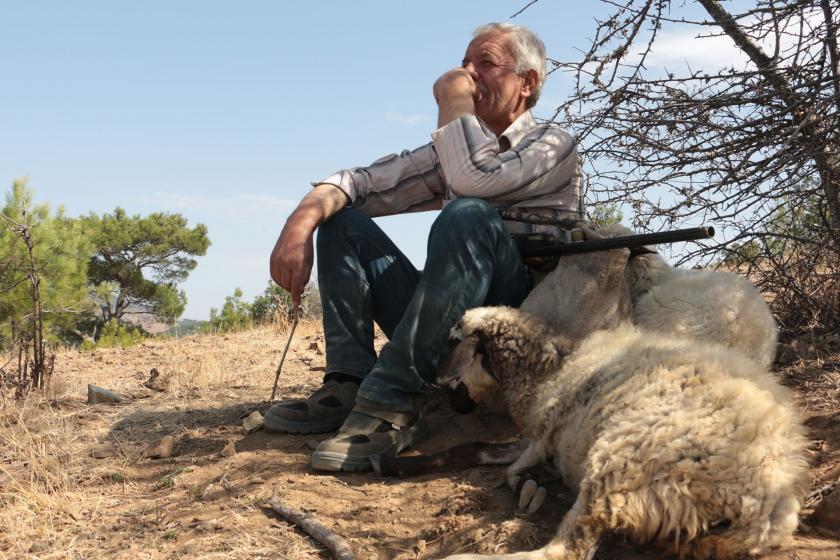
(315, 348)
(98, 395)
(229, 450)
(103, 451)
(160, 449)
(253, 422)
(73, 510)
(827, 514)
(208, 490)
(156, 381)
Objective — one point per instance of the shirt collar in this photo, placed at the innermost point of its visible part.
(517, 130)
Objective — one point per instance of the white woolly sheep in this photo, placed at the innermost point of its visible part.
(668, 440)
(709, 305)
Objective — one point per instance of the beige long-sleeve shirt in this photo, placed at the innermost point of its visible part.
(531, 165)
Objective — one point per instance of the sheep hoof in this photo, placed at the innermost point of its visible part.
(537, 501)
(527, 492)
(513, 482)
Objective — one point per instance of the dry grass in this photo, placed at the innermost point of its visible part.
(54, 496)
(56, 501)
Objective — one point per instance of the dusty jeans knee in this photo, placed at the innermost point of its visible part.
(471, 261)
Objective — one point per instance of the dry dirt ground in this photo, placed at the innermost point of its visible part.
(57, 501)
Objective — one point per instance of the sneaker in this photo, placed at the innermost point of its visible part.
(323, 411)
(365, 433)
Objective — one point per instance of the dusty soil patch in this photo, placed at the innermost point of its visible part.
(57, 501)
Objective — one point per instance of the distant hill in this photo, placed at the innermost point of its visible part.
(151, 325)
(186, 326)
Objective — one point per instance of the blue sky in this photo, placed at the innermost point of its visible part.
(226, 111)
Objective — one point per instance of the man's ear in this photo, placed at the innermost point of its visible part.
(530, 79)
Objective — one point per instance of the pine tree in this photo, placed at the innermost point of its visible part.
(59, 254)
(138, 262)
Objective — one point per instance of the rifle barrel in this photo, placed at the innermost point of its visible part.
(629, 241)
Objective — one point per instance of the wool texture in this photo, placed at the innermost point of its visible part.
(684, 442)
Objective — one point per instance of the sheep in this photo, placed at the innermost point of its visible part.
(583, 293)
(710, 305)
(670, 440)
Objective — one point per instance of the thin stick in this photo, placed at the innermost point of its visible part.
(337, 546)
(296, 316)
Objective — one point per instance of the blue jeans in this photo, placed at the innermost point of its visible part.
(471, 261)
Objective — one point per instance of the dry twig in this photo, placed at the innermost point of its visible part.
(337, 546)
(295, 319)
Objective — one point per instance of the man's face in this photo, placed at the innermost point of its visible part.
(501, 92)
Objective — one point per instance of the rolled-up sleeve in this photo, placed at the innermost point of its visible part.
(407, 182)
(544, 166)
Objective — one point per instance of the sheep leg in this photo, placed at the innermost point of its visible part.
(531, 494)
(577, 538)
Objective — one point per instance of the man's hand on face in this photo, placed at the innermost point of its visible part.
(292, 257)
(455, 93)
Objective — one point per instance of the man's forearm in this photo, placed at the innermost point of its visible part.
(452, 110)
(292, 257)
(319, 205)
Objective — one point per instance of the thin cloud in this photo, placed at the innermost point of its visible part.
(395, 116)
(680, 48)
(686, 46)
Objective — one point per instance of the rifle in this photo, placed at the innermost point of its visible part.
(636, 243)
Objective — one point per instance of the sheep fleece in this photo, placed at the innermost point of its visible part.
(663, 437)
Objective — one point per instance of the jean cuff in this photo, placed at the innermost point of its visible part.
(349, 368)
(378, 402)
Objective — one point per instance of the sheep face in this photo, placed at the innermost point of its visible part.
(644, 272)
(464, 373)
(494, 344)
(467, 371)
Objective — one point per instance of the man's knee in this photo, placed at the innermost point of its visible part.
(342, 224)
(468, 214)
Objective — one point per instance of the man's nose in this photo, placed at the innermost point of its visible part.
(470, 68)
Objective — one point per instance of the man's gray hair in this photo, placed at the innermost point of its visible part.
(528, 49)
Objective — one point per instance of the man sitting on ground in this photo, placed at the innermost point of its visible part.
(487, 153)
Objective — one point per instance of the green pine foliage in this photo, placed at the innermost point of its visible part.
(601, 215)
(60, 252)
(235, 314)
(272, 306)
(273, 301)
(115, 335)
(139, 261)
(91, 271)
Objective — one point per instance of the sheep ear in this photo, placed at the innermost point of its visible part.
(459, 357)
(456, 333)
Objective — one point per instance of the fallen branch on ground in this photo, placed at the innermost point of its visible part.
(337, 546)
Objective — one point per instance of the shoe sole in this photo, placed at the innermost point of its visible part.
(280, 425)
(337, 462)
